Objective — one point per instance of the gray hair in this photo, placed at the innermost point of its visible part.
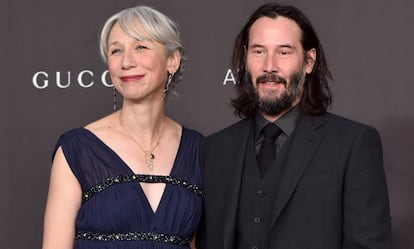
(161, 28)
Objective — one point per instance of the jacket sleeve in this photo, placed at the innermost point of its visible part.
(366, 214)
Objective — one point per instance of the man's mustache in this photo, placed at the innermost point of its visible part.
(271, 77)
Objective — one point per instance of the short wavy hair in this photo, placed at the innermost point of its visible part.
(161, 28)
(317, 96)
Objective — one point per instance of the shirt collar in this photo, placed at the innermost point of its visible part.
(287, 123)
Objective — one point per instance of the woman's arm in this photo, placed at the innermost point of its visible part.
(63, 202)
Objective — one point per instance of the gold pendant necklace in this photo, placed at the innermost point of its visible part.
(149, 154)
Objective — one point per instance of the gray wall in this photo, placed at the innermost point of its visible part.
(369, 45)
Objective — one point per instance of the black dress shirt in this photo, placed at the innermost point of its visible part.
(287, 123)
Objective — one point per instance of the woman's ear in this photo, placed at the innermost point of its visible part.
(173, 61)
(310, 60)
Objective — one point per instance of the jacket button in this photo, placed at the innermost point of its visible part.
(257, 220)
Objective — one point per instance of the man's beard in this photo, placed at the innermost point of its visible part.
(272, 105)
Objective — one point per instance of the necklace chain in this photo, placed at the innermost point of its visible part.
(149, 154)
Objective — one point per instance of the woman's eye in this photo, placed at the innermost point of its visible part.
(114, 51)
(141, 47)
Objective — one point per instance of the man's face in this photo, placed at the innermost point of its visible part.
(276, 64)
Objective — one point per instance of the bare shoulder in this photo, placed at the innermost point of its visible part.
(104, 127)
(173, 129)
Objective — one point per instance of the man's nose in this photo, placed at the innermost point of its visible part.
(270, 63)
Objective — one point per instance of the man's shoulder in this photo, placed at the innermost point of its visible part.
(338, 123)
(345, 121)
(232, 130)
(226, 141)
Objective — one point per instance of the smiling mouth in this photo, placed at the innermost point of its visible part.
(271, 79)
(131, 78)
(272, 83)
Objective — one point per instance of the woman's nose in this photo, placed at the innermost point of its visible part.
(128, 61)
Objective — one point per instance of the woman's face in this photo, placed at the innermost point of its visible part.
(138, 68)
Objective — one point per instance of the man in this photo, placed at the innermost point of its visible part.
(324, 186)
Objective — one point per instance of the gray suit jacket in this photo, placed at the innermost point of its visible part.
(332, 193)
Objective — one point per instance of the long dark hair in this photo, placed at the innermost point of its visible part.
(317, 96)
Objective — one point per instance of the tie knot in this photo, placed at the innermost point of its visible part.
(271, 131)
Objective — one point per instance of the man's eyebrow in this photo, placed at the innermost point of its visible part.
(279, 46)
(286, 46)
(255, 46)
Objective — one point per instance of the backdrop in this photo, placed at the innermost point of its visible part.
(53, 80)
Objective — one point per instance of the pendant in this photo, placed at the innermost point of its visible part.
(149, 160)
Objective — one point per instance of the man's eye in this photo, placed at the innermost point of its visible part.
(258, 52)
(284, 53)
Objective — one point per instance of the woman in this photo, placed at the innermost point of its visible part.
(130, 179)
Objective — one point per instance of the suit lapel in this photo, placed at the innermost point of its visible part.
(305, 141)
(235, 158)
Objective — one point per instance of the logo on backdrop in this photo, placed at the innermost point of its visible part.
(229, 78)
(87, 78)
(64, 79)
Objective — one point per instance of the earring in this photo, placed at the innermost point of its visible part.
(170, 76)
(114, 99)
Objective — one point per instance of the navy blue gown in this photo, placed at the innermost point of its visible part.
(115, 212)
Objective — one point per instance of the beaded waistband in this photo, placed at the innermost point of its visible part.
(140, 178)
(157, 237)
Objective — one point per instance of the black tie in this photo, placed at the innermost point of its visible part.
(267, 153)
